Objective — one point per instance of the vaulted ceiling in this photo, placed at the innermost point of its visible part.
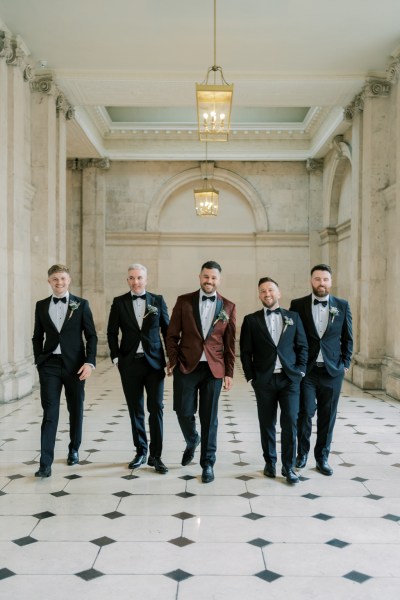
(129, 68)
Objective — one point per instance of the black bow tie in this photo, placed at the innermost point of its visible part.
(212, 298)
(136, 297)
(323, 302)
(276, 311)
(55, 300)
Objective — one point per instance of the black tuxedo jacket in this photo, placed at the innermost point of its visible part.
(258, 352)
(337, 342)
(122, 318)
(77, 323)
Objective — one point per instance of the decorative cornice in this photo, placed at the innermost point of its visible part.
(393, 70)
(373, 88)
(314, 164)
(79, 164)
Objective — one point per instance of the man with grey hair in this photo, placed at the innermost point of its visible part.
(141, 317)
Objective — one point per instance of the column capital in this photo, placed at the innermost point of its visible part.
(43, 82)
(374, 87)
(342, 148)
(314, 164)
(393, 69)
(63, 106)
(79, 164)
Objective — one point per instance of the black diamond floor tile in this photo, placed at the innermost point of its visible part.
(13, 477)
(44, 515)
(181, 542)
(92, 450)
(253, 516)
(114, 515)
(259, 542)
(390, 517)
(187, 477)
(359, 479)
(248, 495)
(268, 576)
(74, 476)
(178, 575)
(59, 494)
(357, 577)
(338, 543)
(310, 496)
(322, 517)
(103, 541)
(241, 464)
(4, 573)
(185, 495)
(130, 477)
(25, 541)
(183, 516)
(373, 497)
(89, 574)
(122, 494)
(244, 477)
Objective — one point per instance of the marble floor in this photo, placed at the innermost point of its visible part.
(98, 530)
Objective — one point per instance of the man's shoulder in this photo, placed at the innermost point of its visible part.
(336, 300)
(227, 303)
(300, 301)
(121, 298)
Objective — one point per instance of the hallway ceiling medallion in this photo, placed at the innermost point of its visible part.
(214, 101)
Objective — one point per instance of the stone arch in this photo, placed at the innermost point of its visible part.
(341, 162)
(193, 175)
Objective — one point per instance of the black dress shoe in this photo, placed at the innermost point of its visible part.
(290, 475)
(208, 474)
(301, 461)
(73, 458)
(323, 467)
(269, 469)
(158, 464)
(188, 454)
(138, 460)
(43, 472)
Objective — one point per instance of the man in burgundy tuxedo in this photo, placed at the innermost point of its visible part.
(201, 351)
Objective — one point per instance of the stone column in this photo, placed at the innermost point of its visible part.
(16, 369)
(315, 169)
(93, 200)
(367, 370)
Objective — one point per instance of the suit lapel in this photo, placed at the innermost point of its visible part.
(309, 319)
(218, 307)
(260, 317)
(46, 314)
(196, 311)
(129, 308)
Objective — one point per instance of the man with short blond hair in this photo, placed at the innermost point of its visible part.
(64, 346)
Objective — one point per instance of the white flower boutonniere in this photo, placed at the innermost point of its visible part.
(151, 310)
(73, 306)
(334, 312)
(222, 316)
(288, 322)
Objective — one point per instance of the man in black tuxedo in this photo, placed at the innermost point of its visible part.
(62, 359)
(328, 326)
(140, 316)
(273, 351)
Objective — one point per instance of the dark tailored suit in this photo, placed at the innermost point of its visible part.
(258, 354)
(192, 377)
(139, 374)
(320, 388)
(56, 371)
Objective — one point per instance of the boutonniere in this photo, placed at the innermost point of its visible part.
(288, 321)
(73, 305)
(334, 312)
(222, 316)
(151, 310)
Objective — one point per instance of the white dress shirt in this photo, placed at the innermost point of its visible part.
(320, 315)
(207, 313)
(275, 325)
(57, 313)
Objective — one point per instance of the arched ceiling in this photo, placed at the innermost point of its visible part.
(129, 68)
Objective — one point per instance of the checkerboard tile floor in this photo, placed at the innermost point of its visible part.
(98, 530)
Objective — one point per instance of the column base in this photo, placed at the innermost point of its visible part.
(16, 381)
(367, 372)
